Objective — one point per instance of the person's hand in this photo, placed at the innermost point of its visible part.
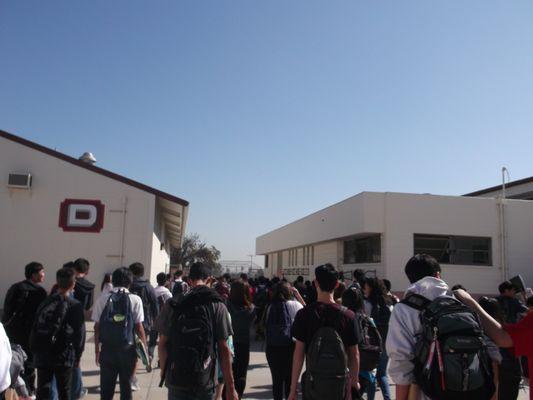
(231, 394)
(356, 385)
(293, 395)
(463, 296)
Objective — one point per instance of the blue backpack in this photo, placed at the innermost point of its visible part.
(278, 325)
(116, 321)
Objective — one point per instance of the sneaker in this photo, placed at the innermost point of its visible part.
(134, 384)
(83, 393)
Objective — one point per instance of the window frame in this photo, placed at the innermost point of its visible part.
(362, 238)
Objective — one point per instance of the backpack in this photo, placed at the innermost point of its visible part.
(116, 321)
(451, 359)
(48, 325)
(192, 359)
(278, 325)
(261, 296)
(144, 293)
(326, 375)
(371, 346)
(381, 316)
(180, 287)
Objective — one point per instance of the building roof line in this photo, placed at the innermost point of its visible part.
(499, 187)
(93, 168)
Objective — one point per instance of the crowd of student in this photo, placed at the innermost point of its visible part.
(353, 335)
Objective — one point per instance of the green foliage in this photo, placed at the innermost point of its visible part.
(194, 249)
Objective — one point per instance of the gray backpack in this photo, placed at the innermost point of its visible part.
(326, 372)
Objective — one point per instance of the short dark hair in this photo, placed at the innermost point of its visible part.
(504, 286)
(352, 298)
(326, 277)
(81, 265)
(529, 301)
(421, 266)
(161, 278)
(65, 278)
(226, 276)
(69, 264)
(300, 279)
(178, 273)
(359, 276)
(200, 271)
(32, 268)
(244, 276)
(492, 307)
(388, 284)
(122, 277)
(137, 269)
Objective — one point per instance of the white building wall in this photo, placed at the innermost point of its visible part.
(29, 228)
(398, 217)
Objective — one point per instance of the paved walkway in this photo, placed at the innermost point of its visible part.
(258, 383)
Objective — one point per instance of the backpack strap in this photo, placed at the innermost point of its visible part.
(416, 301)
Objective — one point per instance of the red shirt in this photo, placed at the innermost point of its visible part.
(521, 334)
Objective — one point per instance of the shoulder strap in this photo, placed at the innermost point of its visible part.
(416, 301)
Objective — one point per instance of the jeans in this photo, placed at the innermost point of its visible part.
(152, 342)
(240, 366)
(113, 364)
(381, 378)
(178, 394)
(77, 384)
(510, 377)
(280, 364)
(63, 377)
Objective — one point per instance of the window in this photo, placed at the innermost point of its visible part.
(459, 250)
(363, 250)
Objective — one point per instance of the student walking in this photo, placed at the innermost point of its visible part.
(20, 306)
(57, 338)
(242, 313)
(142, 288)
(378, 306)
(179, 286)
(516, 336)
(327, 339)
(279, 342)
(84, 293)
(161, 291)
(421, 327)
(117, 317)
(193, 330)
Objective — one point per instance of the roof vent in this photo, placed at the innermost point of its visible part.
(87, 158)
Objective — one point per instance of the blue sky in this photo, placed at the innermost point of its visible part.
(260, 112)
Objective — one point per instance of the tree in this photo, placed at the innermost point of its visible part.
(193, 249)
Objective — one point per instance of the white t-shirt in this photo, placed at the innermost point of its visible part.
(161, 291)
(136, 305)
(5, 360)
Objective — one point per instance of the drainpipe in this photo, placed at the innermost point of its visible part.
(123, 235)
(503, 241)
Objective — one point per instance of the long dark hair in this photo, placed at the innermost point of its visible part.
(353, 300)
(378, 292)
(240, 294)
(107, 279)
(281, 292)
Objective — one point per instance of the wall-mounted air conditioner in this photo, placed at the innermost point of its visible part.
(19, 181)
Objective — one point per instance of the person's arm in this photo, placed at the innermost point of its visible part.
(496, 378)
(353, 365)
(78, 326)
(97, 343)
(298, 296)
(297, 364)
(163, 355)
(492, 328)
(224, 354)
(139, 329)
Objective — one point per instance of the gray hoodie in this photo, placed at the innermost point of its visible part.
(405, 326)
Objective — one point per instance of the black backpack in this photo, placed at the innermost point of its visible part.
(278, 325)
(371, 345)
(143, 291)
(116, 322)
(381, 314)
(451, 359)
(192, 359)
(180, 287)
(326, 375)
(49, 324)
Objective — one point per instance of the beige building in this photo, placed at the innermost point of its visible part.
(479, 241)
(55, 208)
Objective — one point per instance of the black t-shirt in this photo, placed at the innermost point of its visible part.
(312, 317)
